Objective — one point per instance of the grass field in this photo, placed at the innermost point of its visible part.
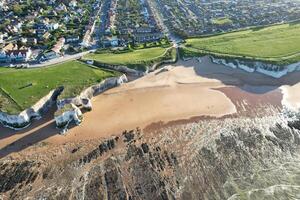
(21, 88)
(274, 43)
(127, 58)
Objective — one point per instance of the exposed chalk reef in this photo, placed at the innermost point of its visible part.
(268, 69)
(232, 158)
(68, 109)
(22, 120)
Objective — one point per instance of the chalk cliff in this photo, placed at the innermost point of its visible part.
(68, 109)
(67, 114)
(23, 119)
(268, 69)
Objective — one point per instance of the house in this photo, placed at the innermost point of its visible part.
(88, 34)
(58, 46)
(143, 30)
(62, 7)
(73, 3)
(71, 39)
(86, 39)
(23, 40)
(147, 37)
(114, 41)
(52, 26)
(40, 32)
(12, 53)
(31, 41)
(46, 35)
(1, 38)
(49, 55)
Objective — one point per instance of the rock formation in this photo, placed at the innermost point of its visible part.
(68, 109)
(83, 99)
(67, 114)
(268, 69)
(23, 119)
(232, 158)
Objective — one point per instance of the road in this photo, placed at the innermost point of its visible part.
(62, 59)
(103, 14)
(103, 18)
(160, 20)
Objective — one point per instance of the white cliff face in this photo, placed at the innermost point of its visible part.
(67, 114)
(23, 119)
(68, 110)
(84, 98)
(260, 67)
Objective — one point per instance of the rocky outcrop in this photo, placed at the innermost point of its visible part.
(24, 119)
(67, 114)
(68, 109)
(268, 69)
(84, 98)
(232, 158)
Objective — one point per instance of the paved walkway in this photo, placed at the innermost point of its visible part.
(62, 59)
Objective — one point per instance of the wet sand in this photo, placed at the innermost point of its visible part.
(250, 103)
(183, 91)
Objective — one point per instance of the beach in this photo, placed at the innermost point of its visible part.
(185, 90)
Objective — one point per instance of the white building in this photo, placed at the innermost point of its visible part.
(11, 53)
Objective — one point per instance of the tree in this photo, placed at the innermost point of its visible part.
(17, 9)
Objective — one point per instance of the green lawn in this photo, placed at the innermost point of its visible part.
(132, 57)
(274, 43)
(21, 88)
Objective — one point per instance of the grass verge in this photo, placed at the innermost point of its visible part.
(278, 44)
(21, 88)
(135, 59)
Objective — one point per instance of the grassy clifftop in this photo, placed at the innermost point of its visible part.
(278, 44)
(21, 88)
(136, 59)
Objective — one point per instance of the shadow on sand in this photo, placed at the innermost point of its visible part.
(46, 117)
(37, 132)
(252, 83)
(30, 139)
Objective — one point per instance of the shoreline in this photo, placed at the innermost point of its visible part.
(219, 61)
(186, 91)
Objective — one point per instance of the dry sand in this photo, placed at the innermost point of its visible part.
(182, 91)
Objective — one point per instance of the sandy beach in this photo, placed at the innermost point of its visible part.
(182, 91)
